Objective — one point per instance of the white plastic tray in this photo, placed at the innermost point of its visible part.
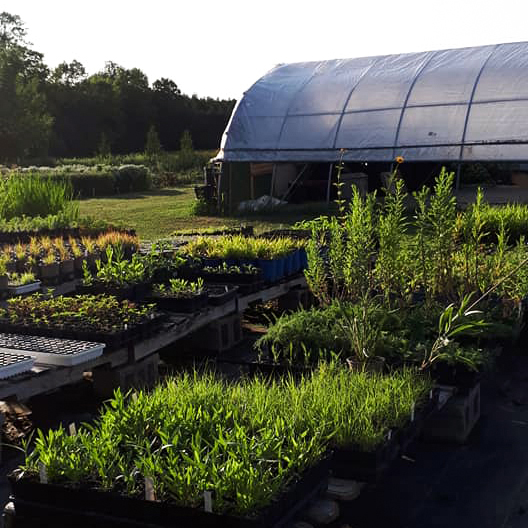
(13, 364)
(69, 353)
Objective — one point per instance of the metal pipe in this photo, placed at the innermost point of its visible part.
(329, 184)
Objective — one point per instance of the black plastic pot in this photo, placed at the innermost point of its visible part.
(63, 507)
(421, 414)
(351, 463)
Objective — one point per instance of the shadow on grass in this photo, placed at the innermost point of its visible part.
(157, 193)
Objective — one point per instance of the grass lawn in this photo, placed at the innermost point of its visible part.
(158, 213)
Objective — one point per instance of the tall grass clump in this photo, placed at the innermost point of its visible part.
(244, 441)
(33, 195)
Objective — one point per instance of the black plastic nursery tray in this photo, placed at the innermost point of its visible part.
(218, 294)
(180, 304)
(112, 340)
(63, 507)
(49, 350)
(366, 466)
(134, 292)
(13, 364)
(277, 369)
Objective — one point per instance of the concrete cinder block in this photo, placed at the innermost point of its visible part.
(143, 374)
(457, 418)
(221, 335)
(295, 299)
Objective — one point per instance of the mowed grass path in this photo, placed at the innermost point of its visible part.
(158, 213)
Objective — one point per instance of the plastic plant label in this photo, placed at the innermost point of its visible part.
(126, 326)
(412, 413)
(431, 394)
(149, 489)
(72, 429)
(208, 501)
(389, 434)
(43, 474)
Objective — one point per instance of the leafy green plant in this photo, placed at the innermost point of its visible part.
(102, 313)
(117, 270)
(20, 279)
(180, 288)
(391, 229)
(305, 336)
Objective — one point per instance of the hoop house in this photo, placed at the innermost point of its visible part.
(461, 105)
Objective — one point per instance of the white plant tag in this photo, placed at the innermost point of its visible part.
(431, 394)
(412, 413)
(208, 501)
(389, 434)
(72, 429)
(126, 326)
(43, 473)
(149, 489)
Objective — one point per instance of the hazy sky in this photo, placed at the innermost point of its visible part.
(219, 48)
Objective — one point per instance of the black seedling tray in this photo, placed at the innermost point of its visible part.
(180, 304)
(111, 339)
(364, 466)
(63, 507)
(219, 294)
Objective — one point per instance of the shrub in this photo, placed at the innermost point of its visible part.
(29, 194)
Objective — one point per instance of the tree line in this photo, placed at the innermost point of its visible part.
(64, 112)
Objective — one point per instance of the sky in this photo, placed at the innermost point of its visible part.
(220, 48)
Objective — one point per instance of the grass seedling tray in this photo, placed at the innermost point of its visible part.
(13, 364)
(51, 351)
(64, 507)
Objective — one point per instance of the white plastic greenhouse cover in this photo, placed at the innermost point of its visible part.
(462, 104)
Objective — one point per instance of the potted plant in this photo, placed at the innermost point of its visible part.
(3, 273)
(66, 263)
(20, 255)
(78, 258)
(49, 269)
